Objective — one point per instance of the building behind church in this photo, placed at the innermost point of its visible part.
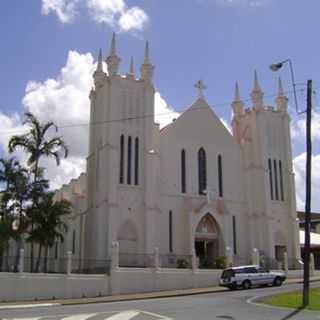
(190, 187)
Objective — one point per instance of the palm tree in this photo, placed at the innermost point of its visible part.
(36, 144)
(49, 225)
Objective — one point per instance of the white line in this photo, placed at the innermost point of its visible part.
(18, 306)
(80, 316)
(156, 315)
(125, 315)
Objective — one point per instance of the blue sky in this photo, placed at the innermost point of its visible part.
(218, 41)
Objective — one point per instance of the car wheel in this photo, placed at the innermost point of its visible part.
(246, 285)
(277, 282)
(233, 287)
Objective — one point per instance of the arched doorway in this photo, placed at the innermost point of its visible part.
(208, 241)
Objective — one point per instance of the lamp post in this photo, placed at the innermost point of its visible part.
(308, 111)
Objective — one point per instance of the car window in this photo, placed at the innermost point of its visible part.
(262, 270)
(251, 270)
(227, 273)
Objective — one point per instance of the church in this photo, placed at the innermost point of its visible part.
(191, 187)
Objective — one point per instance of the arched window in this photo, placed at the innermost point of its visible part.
(202, 171)
(281, 181)
(276, 179)
(183, 171)
(121, 173)
(129, 161)
(136, 161)
(270, 178)
(220, 175)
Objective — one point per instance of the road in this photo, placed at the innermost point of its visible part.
(232, 305)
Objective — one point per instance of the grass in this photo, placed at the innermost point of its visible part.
(294, 300)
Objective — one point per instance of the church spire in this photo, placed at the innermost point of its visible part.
(257, 94)
(281, 100)
(131, 74)
(99, 76)
(113, 60)
(237, 104)
(99, 65)
(147, 68)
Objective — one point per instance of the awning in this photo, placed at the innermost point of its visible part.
(314, 239)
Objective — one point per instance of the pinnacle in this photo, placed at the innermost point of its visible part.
(99, 65)
(237, 93)
(280, 88)
(113, 45)
(131, 70)
(256, 86)
(146, 53)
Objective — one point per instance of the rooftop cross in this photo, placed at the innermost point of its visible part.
(200, 86)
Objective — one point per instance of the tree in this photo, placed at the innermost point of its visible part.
(48, 224)
(37, 145)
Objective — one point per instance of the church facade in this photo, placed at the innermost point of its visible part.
(190, 187)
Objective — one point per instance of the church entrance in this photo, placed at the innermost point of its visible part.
(207, 241)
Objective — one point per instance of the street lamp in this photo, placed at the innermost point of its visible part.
(308, 111)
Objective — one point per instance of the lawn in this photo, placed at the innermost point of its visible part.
(294, 300)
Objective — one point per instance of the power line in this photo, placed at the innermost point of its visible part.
(75, 125)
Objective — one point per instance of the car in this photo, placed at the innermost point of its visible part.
(250, 276)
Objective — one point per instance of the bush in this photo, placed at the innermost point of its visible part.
(182, 264)
(220, 262)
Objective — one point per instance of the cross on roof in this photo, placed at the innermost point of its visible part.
(200, 86)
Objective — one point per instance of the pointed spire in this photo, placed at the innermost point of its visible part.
(237, 93)
(99, 65)
(280, 88)
(113, 45)
(256, 86)
(146, 53)
(113, 60)
(147, 68)
(257, 94)
(237, 104)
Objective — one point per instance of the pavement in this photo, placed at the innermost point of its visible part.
(132, 296)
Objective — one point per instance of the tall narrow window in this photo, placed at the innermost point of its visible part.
(170, 232)
(121, 173)
(202, 171)
(281, 181)
(73, 242)
(234, 229)
(270, 178)
(220, 175)
(136, 161)
(276, 179)
(129, 161)
(56, 250)
(183, 171)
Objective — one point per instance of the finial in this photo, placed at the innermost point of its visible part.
(99, 65)
(200, 86)
(113, 45)
(146, 54)
(256, 86)
(237, 93)
(280, 88)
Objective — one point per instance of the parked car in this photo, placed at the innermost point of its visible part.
(249, 276)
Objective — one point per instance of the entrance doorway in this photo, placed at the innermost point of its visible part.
(207, 241)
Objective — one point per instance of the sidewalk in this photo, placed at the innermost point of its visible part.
(135, 296)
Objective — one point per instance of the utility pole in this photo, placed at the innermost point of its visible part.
(306, 260)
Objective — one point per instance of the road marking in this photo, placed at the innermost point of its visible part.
(18, 306)
(159, 316)
(124, 315)
(79, 316)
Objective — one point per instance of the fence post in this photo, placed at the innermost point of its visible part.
(156, 260)
(311, 264)
(69, 262)
(285, 262)
(21, 261)
(194, 260)
(255, 257)
(229, 257)
(115, 255)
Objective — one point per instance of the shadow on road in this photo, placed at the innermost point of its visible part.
(293, 313)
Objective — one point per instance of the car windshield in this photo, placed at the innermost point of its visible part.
(227, 273)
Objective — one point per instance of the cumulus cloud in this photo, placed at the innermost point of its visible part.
(299, 164)
(65, 10)
(64, 100)
(298, 129)
(114, 13)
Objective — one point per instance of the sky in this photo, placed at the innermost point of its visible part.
(49, 49)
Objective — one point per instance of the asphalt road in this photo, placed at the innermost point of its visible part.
(232, 305)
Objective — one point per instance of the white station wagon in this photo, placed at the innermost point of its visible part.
(249, 276)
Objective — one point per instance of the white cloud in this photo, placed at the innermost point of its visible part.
(65, 101)
(64, 9)
(114, 13)
(299, 164)
(133, 18)
(298, 129)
